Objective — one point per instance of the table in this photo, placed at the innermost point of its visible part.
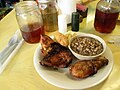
(20, 73)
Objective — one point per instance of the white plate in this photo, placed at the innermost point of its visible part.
(61, 78)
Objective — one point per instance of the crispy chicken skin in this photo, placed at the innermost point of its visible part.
(100, 62)
(82, 69)
(46, 41)
(55, 55)
(85, 68)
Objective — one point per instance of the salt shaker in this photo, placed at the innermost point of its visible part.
(62, 23)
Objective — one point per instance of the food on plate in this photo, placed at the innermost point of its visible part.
(70, 34)
(84, 68)
(45, 41)
(61, 38)
(87, 46)
(54, 54)
(58, 56)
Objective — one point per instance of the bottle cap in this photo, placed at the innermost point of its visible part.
(75, 21)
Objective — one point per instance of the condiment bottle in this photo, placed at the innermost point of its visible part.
(107, 12)
(82, 9)
(75, 21)
(50, 14)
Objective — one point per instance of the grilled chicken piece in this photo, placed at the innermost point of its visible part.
(57, 56)
(82, 69)
(99, 62)
(85, 68)
(45, 41)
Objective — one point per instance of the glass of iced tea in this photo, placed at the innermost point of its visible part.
(29, 20)
(107, 12)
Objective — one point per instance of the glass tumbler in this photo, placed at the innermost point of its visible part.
(29, 20)
(50, 14)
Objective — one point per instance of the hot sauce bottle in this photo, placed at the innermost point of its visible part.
(75, 21)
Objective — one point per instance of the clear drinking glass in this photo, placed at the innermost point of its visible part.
(50, 14)
(29, 20)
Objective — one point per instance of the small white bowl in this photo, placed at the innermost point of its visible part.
(83, 57)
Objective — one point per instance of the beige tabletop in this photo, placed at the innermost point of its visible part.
(20, 73)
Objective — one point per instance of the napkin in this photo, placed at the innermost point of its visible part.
(10, 50)
(67, 7)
